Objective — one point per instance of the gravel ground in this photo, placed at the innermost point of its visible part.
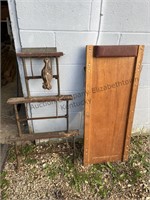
(50, 176)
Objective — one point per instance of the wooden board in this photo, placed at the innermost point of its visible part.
(111, 88)
(39, 52)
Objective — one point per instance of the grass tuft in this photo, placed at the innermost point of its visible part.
(4, 184)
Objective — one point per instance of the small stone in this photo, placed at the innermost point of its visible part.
(44, 165)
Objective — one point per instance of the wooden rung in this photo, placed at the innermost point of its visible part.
(50, 135)
(39, 55)
(20, 100)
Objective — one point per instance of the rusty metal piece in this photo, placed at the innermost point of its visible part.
(38, 77)
(67, 114)
(46, 74)
(39, 118)
(31, 66)
(56, 134)
(58, 82)
(25, 73)
(17, 119)
(57, 109)
(20, 100)
(27, 116)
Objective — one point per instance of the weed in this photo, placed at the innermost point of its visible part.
(11, 155)
(4, 195)
(52, 170)
(30, 160)
(24, 151)
(78, 179)
(4, 183)
(27, 149)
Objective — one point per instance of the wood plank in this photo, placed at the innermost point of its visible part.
(137, 72)
(39, 55)
(39, 50)
(116, 51)
(49, 135)
(18, 100)
(88, 98)
(109, 84)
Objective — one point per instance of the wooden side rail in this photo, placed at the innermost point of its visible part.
(21, 100)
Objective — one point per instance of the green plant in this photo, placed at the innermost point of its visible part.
(78, 179)
(27, 149)
(4, 184)
(11, 155)
(52, 170)
(3, 181)
(29, 160)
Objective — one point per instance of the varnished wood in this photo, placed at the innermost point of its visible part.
(110, 97)
(137, 72)
(115, 51)
(88, 99)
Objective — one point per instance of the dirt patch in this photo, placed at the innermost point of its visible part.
(49, 176)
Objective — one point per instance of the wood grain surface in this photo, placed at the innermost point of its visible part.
(111, 87)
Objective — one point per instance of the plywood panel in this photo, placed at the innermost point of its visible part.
(109, 89)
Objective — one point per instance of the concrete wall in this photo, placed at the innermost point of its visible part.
(70, 25)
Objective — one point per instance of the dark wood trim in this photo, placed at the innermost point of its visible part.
(115, 51)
